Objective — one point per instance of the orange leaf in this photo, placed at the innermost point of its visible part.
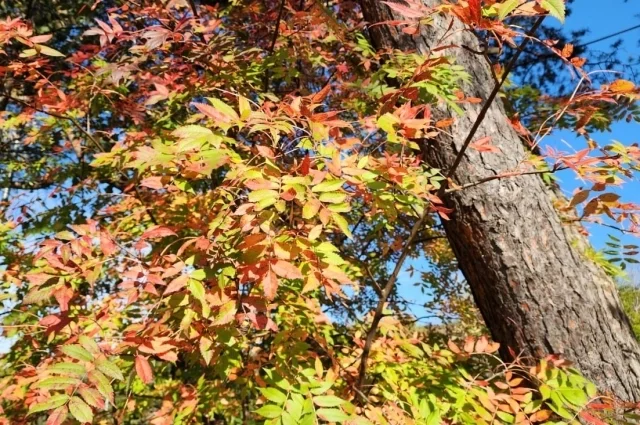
(143, 369)
(567, 50)
(270, 284)
(286, 270)
(453, 347)
(154, 182)
(468, 344)
(540, 416)
(444, 123)
(158, 232)
(177, 284)
(481, 344)
(621, 86)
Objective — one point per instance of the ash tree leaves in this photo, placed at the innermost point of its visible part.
(84, 378)
(231, 199)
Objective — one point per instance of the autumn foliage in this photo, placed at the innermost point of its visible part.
(206, 204)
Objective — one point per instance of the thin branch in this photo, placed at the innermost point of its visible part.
(502, 176)
(386, 291)
(276, 32)
(428, 239)
(492, 96)
(88, 135)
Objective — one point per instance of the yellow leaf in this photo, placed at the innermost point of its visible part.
(621, 86)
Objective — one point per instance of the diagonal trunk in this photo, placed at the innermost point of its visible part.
(537, 293)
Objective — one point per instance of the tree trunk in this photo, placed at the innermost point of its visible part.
(537, 293)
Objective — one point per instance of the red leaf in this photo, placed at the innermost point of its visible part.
(305, 166)
(50, 320)
(270, 284)
(143, 369)
(482, 145)
(405, 11)
(177, 284)
(158, 232)
(591, 419)
(286, 270)
(58, 416)
(475, 10)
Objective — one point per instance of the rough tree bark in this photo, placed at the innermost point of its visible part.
(537, 293)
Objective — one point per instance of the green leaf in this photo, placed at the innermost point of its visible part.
(80, 410)
(556, 8)
(576, 397)
(328, 401)
(194, 133)
(54, 402)
(506, 8)
(591, 389)
(57, 383)
(310, 209)
(197, 289)
(110, 369)
(274, 395)
(261, 194)
(102, 384)
(89, 344)
(77, 352)
(287, 419)
(342, 223)
(328, 186)
(545, 391)
(198, 274)
(333, 197)
(224, 108)
(66, 368)
(508, 418)
(332, 415)
(48, 51)
(269, 411)
(244, 107)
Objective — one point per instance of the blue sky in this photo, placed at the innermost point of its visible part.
(601, 19)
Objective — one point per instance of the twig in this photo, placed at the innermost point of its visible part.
(502, 176)
(88, 135)
(492, 96)
(276, 32)
(378, 315)
(429, 239)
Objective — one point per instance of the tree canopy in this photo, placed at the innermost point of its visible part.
(208, 208)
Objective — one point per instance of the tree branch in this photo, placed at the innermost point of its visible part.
(276, 32)
(386, 291)
(492, 96)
